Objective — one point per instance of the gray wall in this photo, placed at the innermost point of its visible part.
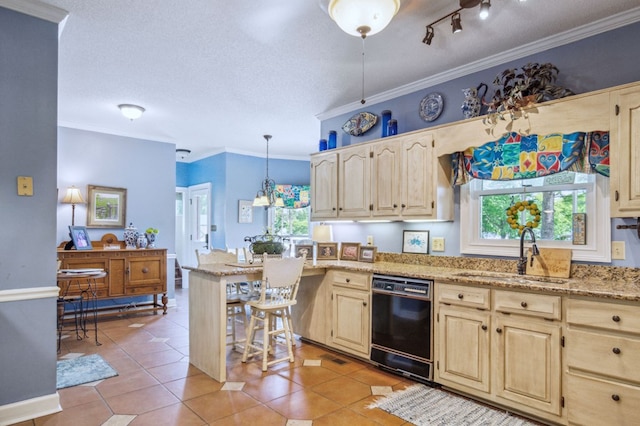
(28, 114)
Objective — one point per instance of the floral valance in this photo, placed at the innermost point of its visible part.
(294, 196)
(517, 156)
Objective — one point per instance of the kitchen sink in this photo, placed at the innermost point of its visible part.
(511, 278)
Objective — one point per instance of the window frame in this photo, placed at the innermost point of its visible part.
(597, 249)
(293, 238)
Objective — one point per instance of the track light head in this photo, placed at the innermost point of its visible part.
(456, 24)
(485, 5)
(428, 36)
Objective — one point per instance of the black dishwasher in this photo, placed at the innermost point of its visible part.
(401, 326)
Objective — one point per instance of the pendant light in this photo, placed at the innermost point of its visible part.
(266, 195)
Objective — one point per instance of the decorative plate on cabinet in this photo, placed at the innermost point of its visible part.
(360, 123)
(431, 106)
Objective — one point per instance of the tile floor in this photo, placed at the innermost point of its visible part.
(156, 384)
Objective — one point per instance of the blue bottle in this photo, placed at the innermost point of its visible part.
(333, 139)
(392, 128)
(322, 146)
(386, 116)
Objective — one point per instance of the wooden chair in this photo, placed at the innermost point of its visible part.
(271, 313)
(236, 301)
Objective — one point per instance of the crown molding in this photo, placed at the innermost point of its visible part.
(566, 37)
(39, 10)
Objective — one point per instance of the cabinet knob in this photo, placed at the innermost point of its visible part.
(484, 327)
(523, 304)
(615, 397)
(460, 296)
(348, 280)
(339, 208)
(616, 351)
(615, 318)
(498, 330)
(334, 209)
(395, 206)
(617, 195)
(145, 270)
(364, 303)
(404, 205)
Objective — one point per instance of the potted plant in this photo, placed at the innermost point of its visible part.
(151, 234)
(518, 88)
(267, 243)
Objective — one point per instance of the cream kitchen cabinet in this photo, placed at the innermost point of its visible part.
(350, 312)
(354, 182)
(603, 354)
(324, 186)
(502, 346)
(463, 322)
(625, 152)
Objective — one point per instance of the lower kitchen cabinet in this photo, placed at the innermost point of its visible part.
(502, 346)
(603, 354)
(350, 312)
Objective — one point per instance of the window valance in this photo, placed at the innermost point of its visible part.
(517, 156)
(294, 196)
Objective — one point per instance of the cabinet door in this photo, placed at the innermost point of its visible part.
(351, 319)
(463, 347)
(145, 275)
(385, 180)
(419, 176)
(354, 180)
(87, 261)
(527, 363)
(324, 186)
(625, 153)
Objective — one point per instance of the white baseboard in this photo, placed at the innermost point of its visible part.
(29, 409)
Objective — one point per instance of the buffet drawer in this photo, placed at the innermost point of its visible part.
(607, 316)
(465, 296)
(592, 401)
(530, 304)
(613, 356)
(140, 290)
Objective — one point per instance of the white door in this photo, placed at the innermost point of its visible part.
(197, 211)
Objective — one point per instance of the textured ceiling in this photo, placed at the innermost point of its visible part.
(217, 75)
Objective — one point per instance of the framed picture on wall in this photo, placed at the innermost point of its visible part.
(415, 242)
(245, 211)
(106, 207)
(80, 237)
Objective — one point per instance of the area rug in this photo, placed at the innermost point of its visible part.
(84, 369)
(425, 406)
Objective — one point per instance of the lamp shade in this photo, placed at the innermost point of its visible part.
(73, 196)
(322, 233)
(352, 15)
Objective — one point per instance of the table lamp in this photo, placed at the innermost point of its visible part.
(73, 197)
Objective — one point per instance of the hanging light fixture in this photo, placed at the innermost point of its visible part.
(266, 196)
(456, 19)
(356, 17)
(130, 111)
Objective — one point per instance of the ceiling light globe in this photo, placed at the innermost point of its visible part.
(352, 15)
(130, 111)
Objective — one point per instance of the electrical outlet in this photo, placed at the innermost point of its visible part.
(438, 244)
(617, 250)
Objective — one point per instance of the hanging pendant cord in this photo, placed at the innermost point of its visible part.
(362, 101)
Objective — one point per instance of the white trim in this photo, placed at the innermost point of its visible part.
(598, 248)
(36, 9)
(30, 293)
(28, 409)
(566, 37)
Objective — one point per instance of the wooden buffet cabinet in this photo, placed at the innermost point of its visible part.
(130, 273)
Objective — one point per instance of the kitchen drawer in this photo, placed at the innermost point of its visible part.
(530, 304)
(465, 296)
(356, 280)
(593, 401)
(604, 315)
(144, 270)
(150, 289)
(612, 356)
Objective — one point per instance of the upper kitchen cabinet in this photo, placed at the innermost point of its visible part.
(324, 186)
(395, 178)
(625, 152)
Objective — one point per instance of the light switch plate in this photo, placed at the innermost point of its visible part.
(25, 185)
(618, 250)
(438, 244)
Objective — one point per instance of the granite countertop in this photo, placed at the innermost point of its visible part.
(586, 280)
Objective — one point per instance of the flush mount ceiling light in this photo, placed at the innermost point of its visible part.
(456, 20)
(266, 196)
(182, 153)
(130, 111)
(361, 18)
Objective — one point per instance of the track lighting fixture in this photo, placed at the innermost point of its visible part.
(456, 19)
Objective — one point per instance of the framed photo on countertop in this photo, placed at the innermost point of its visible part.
(415, 242)
(301, 249)
(107, 207)
(80, 237)
(349, 251)
(327, 251)
(367, 254)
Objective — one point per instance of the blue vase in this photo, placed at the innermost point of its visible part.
(386, 116)
(333, 139)
(392, 128)
(322, 146)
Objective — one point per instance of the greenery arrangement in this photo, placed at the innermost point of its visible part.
(267, 243)
(151, 231)
(518, 88)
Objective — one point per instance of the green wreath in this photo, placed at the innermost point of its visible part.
(513, 215)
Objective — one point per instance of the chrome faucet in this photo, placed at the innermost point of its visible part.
(522, 262)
